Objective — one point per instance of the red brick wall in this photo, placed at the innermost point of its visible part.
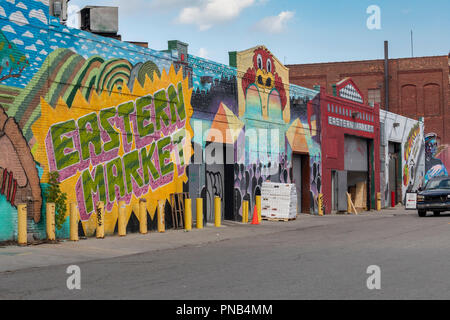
(419, 87)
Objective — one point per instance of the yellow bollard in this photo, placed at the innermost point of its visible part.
(245, 212)
(121, 220)
(258, 208)
(160, 216)
(143, 216)
(217, 212)
(199, 213)
(320, 204)
(73, 222)
(100, 233)
(378, 201)
(50, 221)
(188, 214)
(22, 237)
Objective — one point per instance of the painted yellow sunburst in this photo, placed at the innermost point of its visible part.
(62, 112)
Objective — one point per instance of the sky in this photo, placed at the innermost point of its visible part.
(296, 31)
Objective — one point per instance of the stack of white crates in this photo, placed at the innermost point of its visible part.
(278, 201)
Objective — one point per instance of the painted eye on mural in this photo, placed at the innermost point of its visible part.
(260, 61)
(269, 65)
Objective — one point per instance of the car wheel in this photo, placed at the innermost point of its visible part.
(422, 213)
(436, 213)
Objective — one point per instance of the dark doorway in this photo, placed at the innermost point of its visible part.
(395, 183)
(301, 179)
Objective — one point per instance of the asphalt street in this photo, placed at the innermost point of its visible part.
(323, 258)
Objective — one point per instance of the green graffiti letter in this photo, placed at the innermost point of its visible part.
(115, 179)
(124, 111)
(148, 165)
(160, 105)
(61, 143)
(114, 142)
(143, 115)
(163, 155)
(177, 138)
(131, 164)
(90, 186)
(88, 136)
(177, 101)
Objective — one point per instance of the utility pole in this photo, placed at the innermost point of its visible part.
(412, 45)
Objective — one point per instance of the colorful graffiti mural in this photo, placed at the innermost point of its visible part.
(120, 122)
(409, 134)
(434, 166)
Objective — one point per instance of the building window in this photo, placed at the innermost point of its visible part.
(374, 96)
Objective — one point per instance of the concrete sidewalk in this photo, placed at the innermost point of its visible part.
(14, 258)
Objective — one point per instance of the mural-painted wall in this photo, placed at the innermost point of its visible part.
(437, 157)
(265, 106)
(409, 133)
(111, 117)
(117, 122)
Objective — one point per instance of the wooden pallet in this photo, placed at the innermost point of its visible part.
(278, 219)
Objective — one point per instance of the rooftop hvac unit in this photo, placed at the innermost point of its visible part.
(100, 20)
(58, 9)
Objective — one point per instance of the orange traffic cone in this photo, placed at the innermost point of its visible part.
(255, 219)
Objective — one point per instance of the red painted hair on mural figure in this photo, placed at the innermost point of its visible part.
(264, 75)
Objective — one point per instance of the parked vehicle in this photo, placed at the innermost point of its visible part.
(435, 197)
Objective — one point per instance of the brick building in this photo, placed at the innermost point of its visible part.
(418, 87)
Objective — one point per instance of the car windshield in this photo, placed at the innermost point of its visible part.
(438, 184)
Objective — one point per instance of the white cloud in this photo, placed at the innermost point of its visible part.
(54, 47)
(275, 24)
(8, 28)
(28, 34)
(43, 52)
(31, 48)
(203, 53)
(42, 1)
(2, 12)
(11, 1)
(18, 18)
(22, 6)
(17, 41)
(210, 12)
(43, 31)
(38, 14)
(39, 42)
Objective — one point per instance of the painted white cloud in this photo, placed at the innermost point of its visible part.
(18, 41)
(38, 14)
(2, 12)
(42, 1)
(39, 42)
(22, 6)
(43, 52)
(31, 48)
(54, 47)
(18, 18)
(11, 1)
(28, 34)
(43, 31)
(275, 24)
(211, 12)
(8, 28)
(84, 47)
(38, 59)
(94, 51)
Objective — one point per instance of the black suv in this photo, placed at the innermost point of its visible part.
(434, 197)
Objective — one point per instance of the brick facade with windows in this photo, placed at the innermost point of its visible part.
(418, 87)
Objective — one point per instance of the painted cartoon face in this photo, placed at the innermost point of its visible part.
(265, 69)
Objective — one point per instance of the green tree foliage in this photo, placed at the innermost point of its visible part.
(12, 60)
(53, 194)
